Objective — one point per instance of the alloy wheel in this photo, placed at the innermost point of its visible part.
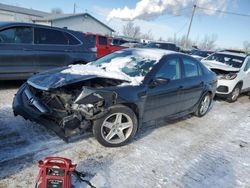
(205, 104)
(116, 128)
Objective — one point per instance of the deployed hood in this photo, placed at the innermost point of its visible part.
(60, 77)
(218, 65)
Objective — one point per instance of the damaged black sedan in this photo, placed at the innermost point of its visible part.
(116, 94)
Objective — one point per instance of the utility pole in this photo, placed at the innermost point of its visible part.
(190, 24)
(74, 8)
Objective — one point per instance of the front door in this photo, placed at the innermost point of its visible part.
(16, 52)
(163, 100)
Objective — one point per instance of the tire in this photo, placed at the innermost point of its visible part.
(117, 127)
(204, 105)
(234, 95)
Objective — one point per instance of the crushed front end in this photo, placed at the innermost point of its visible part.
(68, 110)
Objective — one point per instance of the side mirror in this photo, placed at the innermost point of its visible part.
(158, 81)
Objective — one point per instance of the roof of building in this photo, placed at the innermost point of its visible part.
(53, 17)
(21, 10)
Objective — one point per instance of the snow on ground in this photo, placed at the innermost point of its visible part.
(212, 151)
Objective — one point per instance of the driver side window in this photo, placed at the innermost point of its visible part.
(247, 67)
(171, 69)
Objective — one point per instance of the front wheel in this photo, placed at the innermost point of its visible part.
(204, 105)
(234, 94)
(117, 127)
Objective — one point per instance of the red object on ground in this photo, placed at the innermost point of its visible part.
(102, 44)
(55, 172)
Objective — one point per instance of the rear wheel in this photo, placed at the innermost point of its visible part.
(204, 105)
(234, 94)
(116, 128)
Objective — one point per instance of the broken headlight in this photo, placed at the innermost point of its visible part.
(229, 76)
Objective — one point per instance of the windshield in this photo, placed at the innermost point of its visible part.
(231, 60)
(133, 63)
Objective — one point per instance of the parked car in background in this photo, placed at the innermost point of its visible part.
(26, 49)
(115, 94)
(163, 45)
(233, 72)
(200, 54)
(101, 44)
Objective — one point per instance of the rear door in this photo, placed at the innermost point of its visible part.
(103, 48)
(193, 85)
(164, 100)
(53, 49)
(16, 52)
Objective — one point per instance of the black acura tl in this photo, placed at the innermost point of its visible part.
(117, 93)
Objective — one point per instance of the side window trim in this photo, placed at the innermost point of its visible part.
(32, 28)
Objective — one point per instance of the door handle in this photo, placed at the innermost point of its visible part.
(201, 83)
(181, 87)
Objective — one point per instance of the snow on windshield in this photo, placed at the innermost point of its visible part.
(129, 65)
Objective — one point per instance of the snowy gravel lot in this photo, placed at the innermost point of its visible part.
(213, 151)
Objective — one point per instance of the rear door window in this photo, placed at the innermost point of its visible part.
(17, 35)
(50, 36)
(71, 39)
(191, 68)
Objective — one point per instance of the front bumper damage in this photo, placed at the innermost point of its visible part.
(66, 118)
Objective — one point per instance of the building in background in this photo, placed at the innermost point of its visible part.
(80, 22)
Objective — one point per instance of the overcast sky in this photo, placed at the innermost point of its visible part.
(231, 30)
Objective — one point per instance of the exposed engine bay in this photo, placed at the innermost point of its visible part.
(74, 106)
(222, 74)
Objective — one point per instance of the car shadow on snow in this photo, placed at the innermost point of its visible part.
(11, 84)
(148, 127)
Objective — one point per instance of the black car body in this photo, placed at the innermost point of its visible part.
(27, 48)
(70, 100)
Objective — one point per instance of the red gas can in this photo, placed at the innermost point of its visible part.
(55, 172)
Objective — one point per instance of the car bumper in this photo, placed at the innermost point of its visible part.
(29, 107)
(225, 87)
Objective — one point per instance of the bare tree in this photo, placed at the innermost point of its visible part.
(56, 11)
(131, 30)
(246, 45)
(147, 36)
(208, 42)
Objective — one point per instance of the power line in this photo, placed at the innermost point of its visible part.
(225, 12)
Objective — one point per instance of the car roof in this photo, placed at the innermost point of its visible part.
(233, 53)
(9, 24)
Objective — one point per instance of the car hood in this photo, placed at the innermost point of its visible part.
(218, 65)
(60, 77)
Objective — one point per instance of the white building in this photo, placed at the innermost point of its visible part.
(80, 22)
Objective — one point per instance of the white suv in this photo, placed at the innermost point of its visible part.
(233, 72)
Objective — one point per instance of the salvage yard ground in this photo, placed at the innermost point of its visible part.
(213, 151)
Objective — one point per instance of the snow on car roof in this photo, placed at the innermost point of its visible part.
(233, 53)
